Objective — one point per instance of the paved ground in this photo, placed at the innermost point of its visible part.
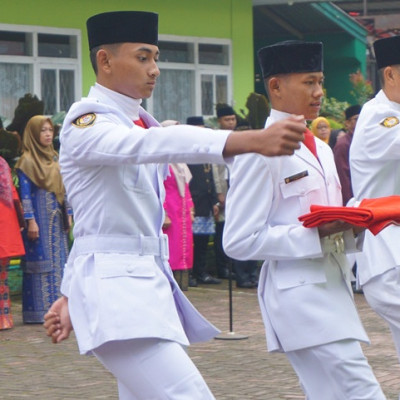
(31, 367)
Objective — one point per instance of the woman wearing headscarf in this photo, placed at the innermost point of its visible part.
(10, 239)
(321, 128)
(44, 204)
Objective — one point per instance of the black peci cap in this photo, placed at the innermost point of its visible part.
(387, 51)
(291, 56)
(121, 27)
(197, 121)
(352, 110)
(224, 111)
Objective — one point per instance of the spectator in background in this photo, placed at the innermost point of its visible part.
(206, 208)
(226, 118)
(342, 160)
(342, 149)
(28, 106)
(179, 215)
(10, 145)
(321, 128)
(44, 204)
(10, 239)
(245, 270)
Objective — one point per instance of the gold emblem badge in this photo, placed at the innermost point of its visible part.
(84, 121)
(390, 122)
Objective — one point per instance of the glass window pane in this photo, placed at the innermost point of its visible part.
(215, 54)
(57, 45)
(49, 91)
(176, 52)
(67, 89)
(15, 43)
(173, 96)
(207, 95)
(15, 82)
(221, 82)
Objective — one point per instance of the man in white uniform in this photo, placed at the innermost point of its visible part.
(118, 288)
(304, 287)
(375, 171)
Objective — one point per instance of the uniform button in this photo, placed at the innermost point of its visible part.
(206, 149)
(302, 281)
(129, 270)
(196, 147)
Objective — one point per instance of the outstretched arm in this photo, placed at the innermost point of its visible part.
(280, 138)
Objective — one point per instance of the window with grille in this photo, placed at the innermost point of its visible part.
(42, 61)
(195, 76)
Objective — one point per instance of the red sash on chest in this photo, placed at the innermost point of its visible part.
(309, 141)
(140, 122)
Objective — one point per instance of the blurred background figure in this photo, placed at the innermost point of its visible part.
(321, 128)
(45, 210)
(202, 189)
(342, 149)
(179, 215)
(10, 238)
(227, 120)
(10, 145)
(341, 152)
(245, 272)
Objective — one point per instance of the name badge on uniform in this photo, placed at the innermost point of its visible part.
(296, 177)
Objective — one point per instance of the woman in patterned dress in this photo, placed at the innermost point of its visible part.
(44, 203)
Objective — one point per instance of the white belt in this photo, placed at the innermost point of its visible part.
(333, 243)
(140, 245)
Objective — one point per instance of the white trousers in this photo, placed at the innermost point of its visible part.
(153, 369)
(383, 295)
(335, 371)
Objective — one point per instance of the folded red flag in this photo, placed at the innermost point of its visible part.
(373, 214)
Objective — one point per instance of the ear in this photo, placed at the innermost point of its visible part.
(388, 75)
(103, 60)
(274, 86)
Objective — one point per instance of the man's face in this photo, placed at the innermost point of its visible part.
(227, 122)
(133, 69)
(350, 124)
(301, 93)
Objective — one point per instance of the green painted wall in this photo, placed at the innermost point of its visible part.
(343, 55)
(230, 19)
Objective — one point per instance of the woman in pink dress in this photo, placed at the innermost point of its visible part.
(179, 214)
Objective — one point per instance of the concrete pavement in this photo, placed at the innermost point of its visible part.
(32, 367)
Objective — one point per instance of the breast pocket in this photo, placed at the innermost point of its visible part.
(306, 190)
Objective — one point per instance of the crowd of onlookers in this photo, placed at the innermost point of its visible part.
(36, 222)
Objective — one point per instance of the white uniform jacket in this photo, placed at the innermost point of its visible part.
(117, 278)
(375, 172)
(301, 304)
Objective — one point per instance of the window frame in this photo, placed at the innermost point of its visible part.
(199, 69)
(37, 62)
